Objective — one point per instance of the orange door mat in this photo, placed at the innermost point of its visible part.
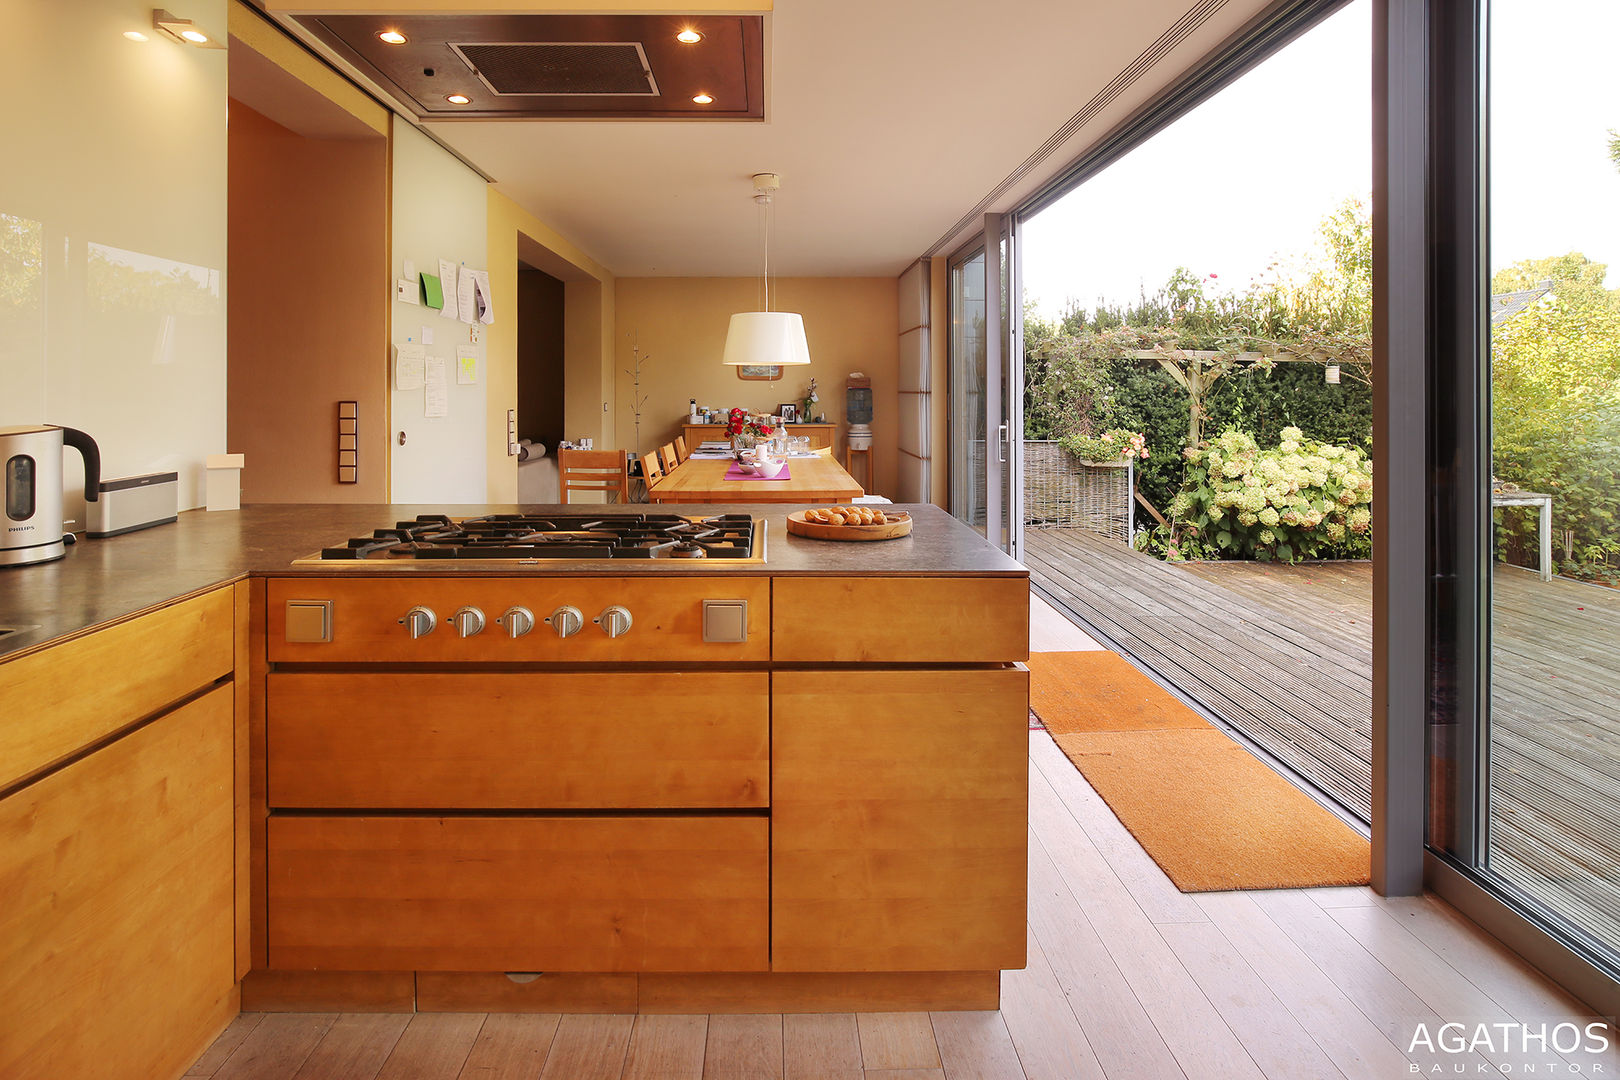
(1206, 810)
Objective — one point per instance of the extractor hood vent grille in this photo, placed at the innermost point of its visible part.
(572, 68)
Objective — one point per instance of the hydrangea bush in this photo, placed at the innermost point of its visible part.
(1302, 500)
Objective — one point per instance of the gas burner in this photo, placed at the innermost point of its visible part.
(441, 538)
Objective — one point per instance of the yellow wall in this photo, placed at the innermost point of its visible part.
(587, 350)
(680, 323)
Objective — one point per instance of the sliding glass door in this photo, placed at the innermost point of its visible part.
(1549, 761)
(986, 374)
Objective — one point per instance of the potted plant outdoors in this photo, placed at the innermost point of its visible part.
(1111, 450)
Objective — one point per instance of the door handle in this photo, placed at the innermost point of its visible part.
(1001, 444)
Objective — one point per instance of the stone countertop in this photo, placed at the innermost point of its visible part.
(102, 581)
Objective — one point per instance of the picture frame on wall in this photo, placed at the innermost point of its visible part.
(788, 413)
(761, 372)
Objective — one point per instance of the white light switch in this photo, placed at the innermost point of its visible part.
(725, 621)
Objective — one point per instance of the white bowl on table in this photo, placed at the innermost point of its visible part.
(766, 468)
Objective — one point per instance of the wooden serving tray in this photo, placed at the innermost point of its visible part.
(899, 524)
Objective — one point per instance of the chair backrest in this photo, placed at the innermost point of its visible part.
(652, 469)
(823, 451)
(680, 448)
(594, 470)
(666, 454)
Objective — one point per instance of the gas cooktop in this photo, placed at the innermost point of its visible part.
(508, 538)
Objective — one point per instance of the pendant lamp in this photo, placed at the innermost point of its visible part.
(766, 337)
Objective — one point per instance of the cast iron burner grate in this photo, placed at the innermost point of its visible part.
(555, 536)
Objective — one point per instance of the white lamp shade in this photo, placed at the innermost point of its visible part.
(766, 337)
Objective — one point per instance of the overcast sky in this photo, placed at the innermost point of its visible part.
(1249, 174)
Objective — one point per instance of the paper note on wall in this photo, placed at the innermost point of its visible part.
(436, 401)
(486, 305)
(450, 287)
(466, 366)
(466, 297)
(408, 367)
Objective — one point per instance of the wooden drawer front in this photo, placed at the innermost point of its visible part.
(116, 922)
(899, 820)
(519, 741)
(57, 701)
(666, 614)
(901, 620)
(519, 893)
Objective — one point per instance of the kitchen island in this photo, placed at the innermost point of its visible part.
(789, 784)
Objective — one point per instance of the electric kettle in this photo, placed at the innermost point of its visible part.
(31, 457)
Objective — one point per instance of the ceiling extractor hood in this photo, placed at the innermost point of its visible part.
(567, 66)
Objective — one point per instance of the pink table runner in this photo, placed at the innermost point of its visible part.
(736, 473)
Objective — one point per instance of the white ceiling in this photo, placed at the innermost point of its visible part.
(888, 122)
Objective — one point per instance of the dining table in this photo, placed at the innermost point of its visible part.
(810, 479)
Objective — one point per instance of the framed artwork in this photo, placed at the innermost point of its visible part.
(760, 372)
(788, 413)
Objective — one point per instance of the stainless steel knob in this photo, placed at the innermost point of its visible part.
(614, 620)
(517, 620)
(566, 620)
(419, 621)
(468, 621)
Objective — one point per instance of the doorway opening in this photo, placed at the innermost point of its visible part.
(540, 381)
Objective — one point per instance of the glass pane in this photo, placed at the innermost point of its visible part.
(1553, 769)
(967, 392)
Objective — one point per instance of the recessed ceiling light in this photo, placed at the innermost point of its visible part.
(689, 36)
(392, 37)
(702, 99)
(136, 35)
(458, 99)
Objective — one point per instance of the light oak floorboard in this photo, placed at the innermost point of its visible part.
(1387, 1001)
(742, 1047)
(1343, 896)
(276, 1047)
(897, 1041)
(1047, 1035)
(511, 1046)
(1350, 1040)
(905, 1074)
(1119, 1029)
(589, 1048)
(1149, 885)
(1273, 1038)
(821, 1046)
(355, 1047)
(976, 1046)
(434, 1046)
(225, 1044)
(666, 1048)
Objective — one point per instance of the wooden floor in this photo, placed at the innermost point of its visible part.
(1127, 978)
(1284, 655)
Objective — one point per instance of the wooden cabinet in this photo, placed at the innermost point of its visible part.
(899, 819)
(470, 893)
(606, 740)
(910, 620)
(118, 927)
(820, 435)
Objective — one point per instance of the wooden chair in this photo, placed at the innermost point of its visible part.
(594, 470)
(652, 468)
(823, 451)
(680, 449)
(666, 454)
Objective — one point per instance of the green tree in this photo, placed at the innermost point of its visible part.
(1577, 280)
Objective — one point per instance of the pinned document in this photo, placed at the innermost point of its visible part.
(486, 304)
(432, 293)
(436, 401)
(466, 366)
(408, 371)
(466, 297)
(449, 288)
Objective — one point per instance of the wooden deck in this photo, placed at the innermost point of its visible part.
(1283, 654)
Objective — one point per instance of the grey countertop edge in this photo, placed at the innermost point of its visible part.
(102, 582)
